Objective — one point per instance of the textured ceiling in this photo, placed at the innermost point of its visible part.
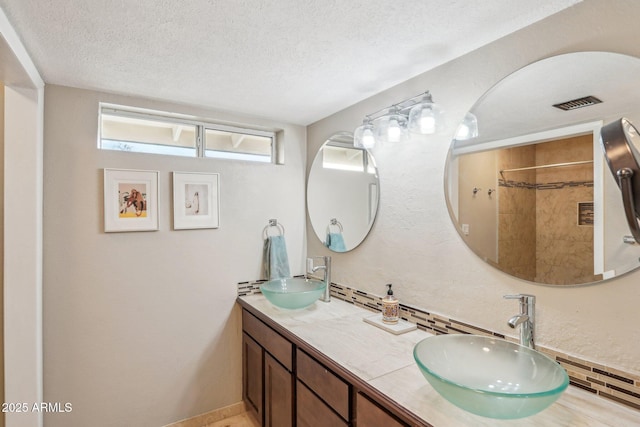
(295, 61)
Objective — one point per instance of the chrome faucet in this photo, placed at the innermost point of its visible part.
(326, 297)
(526, 319)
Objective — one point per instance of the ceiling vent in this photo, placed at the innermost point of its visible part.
(574, 104)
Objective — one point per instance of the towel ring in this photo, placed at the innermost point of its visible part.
(335, 222)
(273, 223)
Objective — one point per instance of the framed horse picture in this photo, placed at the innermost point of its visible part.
(130, 200)
(196, 200)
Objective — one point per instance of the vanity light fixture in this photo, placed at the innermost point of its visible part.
(418, 114)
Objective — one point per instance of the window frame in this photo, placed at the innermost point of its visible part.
(201, 126)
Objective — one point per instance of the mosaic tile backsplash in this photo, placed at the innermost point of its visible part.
(606, 382)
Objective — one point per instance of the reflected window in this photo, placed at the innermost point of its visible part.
(347, 159)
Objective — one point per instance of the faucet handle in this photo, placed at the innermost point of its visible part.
(524, 298)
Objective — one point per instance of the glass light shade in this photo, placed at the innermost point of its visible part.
(364, 136)
(468, 128)
(426, 118)
(392, 128)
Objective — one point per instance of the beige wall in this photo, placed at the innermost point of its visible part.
(2, 250)
(478, 211)
(23, 252)
(141, 329)
(22, 226)
(413, 243)
(22, 105)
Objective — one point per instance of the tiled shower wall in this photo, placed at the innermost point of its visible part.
(517, 213)
(540, 237)
(606, 382)
(564, 248)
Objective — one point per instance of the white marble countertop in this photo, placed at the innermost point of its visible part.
(385, 361)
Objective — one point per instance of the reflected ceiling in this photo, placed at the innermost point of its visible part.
(524, 102)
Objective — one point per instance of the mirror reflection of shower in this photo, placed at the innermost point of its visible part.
(555, 98)
(538, 222)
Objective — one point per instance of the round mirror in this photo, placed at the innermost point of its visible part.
(342, 193)
(528, 189)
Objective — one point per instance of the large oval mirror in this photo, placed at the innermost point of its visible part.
(342, 193)
(530, 192)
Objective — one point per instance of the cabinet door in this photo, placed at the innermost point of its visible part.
(368, 414)
(278, 394)
(252, 376)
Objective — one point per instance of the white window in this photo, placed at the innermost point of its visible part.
(233, 143)
(144, 131)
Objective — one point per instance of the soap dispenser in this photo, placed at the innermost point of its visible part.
(390, 308)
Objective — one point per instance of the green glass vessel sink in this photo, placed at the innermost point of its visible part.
(490, 376)
(292, 293)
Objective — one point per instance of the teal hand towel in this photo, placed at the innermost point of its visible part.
(276, 261)
(335, 242)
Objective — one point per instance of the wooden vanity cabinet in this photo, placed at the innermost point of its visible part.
(252, 375)
(267, 373)
(369, 414)
(287, 383)
(321, 394)
(278, 394)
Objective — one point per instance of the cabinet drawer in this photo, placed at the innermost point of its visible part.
(368, 414)
(269, 339)
(332, 389)
(313, 412)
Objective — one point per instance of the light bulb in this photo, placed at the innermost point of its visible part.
(462, 132)
(426, 117)
(427, 122)
(368, 139)
(393, 130)
(363, 136)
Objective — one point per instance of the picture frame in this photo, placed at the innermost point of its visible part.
(131, 200)
(196, 200)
